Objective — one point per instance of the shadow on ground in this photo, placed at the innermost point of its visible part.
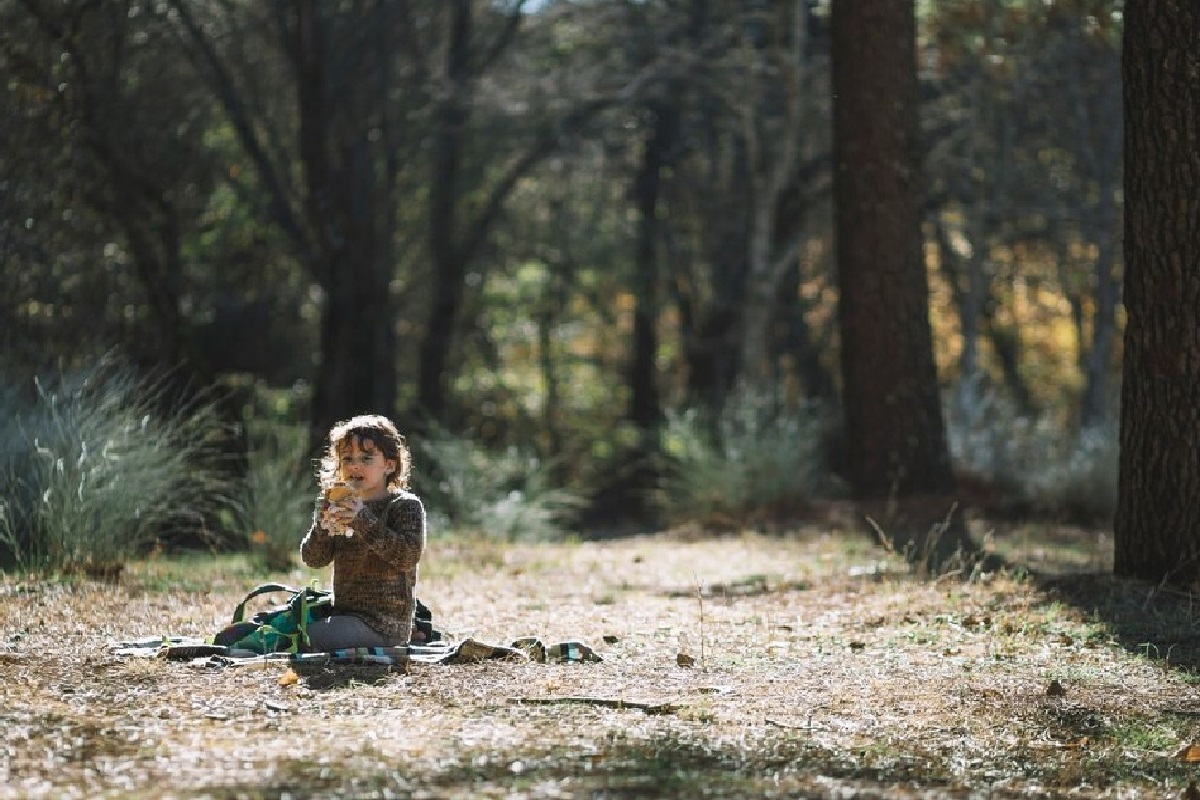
(1073, 565)
(1146, 619)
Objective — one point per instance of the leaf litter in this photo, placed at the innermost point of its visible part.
(786, 670)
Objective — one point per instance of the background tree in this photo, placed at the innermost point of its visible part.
(339, 65)
(567, 219)
(895, 436)
(126, 149)
(1157, 523)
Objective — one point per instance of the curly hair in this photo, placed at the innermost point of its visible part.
(379, 431)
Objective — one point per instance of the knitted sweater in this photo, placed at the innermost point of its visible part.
(375, 570)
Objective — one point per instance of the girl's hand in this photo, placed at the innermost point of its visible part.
(336, 517)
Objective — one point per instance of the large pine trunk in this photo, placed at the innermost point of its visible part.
(1157, 523)
(895, 433)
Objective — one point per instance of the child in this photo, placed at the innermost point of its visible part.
(374, 538)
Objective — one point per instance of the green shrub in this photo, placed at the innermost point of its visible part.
(504, 495)
(1079, 484)
(95, 473)
(278, 491)
(761, 460)
(1055, 469)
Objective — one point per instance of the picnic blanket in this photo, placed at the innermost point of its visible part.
(468, 651)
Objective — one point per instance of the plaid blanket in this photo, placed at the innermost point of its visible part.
(468, 651)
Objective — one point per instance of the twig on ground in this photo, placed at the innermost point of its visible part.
(607, 702)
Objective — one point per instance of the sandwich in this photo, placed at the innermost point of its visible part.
(340, 492)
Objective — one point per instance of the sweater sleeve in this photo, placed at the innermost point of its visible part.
(317, 548)
(397, 538)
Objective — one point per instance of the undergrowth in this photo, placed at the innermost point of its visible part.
(760, 460)
(506, 495)
(98, 466)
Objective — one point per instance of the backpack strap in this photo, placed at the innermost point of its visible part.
(239, 613)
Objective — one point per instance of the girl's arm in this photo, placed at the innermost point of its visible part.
(399, 537)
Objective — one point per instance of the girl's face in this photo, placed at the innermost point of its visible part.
(364, 467)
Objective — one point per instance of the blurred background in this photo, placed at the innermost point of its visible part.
(581, 251)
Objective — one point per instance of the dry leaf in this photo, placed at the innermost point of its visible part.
(1055, 689)
(288, 678)
(684, 660)
(1189, 752)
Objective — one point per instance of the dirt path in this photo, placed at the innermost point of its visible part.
(819, 669)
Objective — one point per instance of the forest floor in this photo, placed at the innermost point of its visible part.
(822, 668)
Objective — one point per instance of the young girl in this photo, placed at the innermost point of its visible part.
(374, 538)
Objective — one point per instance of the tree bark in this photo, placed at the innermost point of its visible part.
(351, 220)
(895, 433)
(1157, 523)
(644, 405)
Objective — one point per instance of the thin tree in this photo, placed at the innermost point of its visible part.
(1157, 524)
(895, 433)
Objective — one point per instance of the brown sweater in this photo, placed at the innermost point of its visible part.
(375, 570)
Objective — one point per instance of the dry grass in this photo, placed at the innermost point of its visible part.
(821, 670)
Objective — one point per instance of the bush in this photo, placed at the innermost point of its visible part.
(1080, 483)
(1054, 469)
(94, 473)
(761, 460)
(278, 493)
(504, 495)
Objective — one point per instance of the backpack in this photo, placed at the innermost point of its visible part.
(284, 627)
(280, 628)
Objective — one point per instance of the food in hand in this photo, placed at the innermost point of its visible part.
(339, 492)
(345, 496)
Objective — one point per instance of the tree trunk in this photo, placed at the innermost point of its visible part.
(895, 433)
(772, 137)
(644, 404)
(351, 220)
(1157, 524)
(444, 220)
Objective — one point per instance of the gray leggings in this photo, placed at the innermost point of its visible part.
(342, 631)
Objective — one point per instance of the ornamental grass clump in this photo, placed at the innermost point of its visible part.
(760, 461)
(507, 495)
(1057, 470)
(97, 469)
(278, 491)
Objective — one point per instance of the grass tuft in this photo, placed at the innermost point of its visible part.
(278, 492)
(97, 470)
(760, 460)
(1061, 472)
(505, 495)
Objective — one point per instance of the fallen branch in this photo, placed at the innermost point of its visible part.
(606, 702)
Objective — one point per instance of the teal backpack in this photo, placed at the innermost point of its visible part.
(284, 628)
(279, 629)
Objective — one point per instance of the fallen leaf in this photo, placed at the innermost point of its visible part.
(1189, 753)
(288, 678)
(684, 660)
(610, 639)
(1055, 689)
